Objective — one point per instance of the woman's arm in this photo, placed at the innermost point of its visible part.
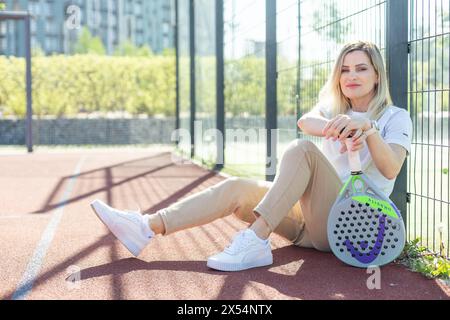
(388, 158)
(312, 123)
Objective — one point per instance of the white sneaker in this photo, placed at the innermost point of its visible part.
(131, 228)
(246, 251)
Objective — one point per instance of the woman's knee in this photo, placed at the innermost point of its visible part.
(297, 149)
(245, 184)
(301, 144)
(232, 182)
(231, 187)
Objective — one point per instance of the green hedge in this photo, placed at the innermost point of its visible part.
(68, 85)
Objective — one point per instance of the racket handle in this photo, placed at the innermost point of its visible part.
(353, 157)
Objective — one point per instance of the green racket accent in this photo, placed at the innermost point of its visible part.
(353, 179)
(377, 204)
(344, 187)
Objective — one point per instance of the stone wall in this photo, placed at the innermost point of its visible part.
(89, 131)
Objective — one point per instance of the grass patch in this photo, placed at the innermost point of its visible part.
(418, 258)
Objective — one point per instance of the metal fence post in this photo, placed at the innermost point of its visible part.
(397, 69)
(299, 65)
(29, 134)
(177, 70)
(271, 88)
(192, 72)
(220, 84)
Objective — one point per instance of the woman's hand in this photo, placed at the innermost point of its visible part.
(341, 126)
(357, 142)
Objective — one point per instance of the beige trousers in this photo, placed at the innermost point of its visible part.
(295, 205)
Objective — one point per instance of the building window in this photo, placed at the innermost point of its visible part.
(166, 43)
(34, 8)
(33, 27)
(50, 27)
(47, 9)
(2, 28)
(138, 9)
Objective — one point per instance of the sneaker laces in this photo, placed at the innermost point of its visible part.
(146, 229)
(129, 214)
(134, 211)
(239, 242)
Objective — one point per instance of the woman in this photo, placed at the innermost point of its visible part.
(355, 101)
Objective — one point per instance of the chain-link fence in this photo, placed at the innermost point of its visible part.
(413, 36)
(428, 99)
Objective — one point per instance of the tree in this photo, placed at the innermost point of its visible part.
(168, 52)
(88, 44)
(338, 30)
(129, 49)
(2, 5)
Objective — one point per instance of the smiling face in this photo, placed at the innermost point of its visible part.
(358, 79)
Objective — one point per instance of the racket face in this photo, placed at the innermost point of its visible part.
(365, 228)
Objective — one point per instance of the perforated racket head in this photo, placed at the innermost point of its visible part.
(365, 228)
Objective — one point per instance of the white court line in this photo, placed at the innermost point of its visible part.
(26, 284)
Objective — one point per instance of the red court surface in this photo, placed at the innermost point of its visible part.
(54, 247)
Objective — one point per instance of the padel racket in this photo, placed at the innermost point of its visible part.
(365, 228)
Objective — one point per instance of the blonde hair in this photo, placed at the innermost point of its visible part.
(331, 94)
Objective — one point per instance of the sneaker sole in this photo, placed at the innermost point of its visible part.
(128, 243)
(239, 266)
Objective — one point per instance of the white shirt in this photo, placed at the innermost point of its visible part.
(395, 127)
